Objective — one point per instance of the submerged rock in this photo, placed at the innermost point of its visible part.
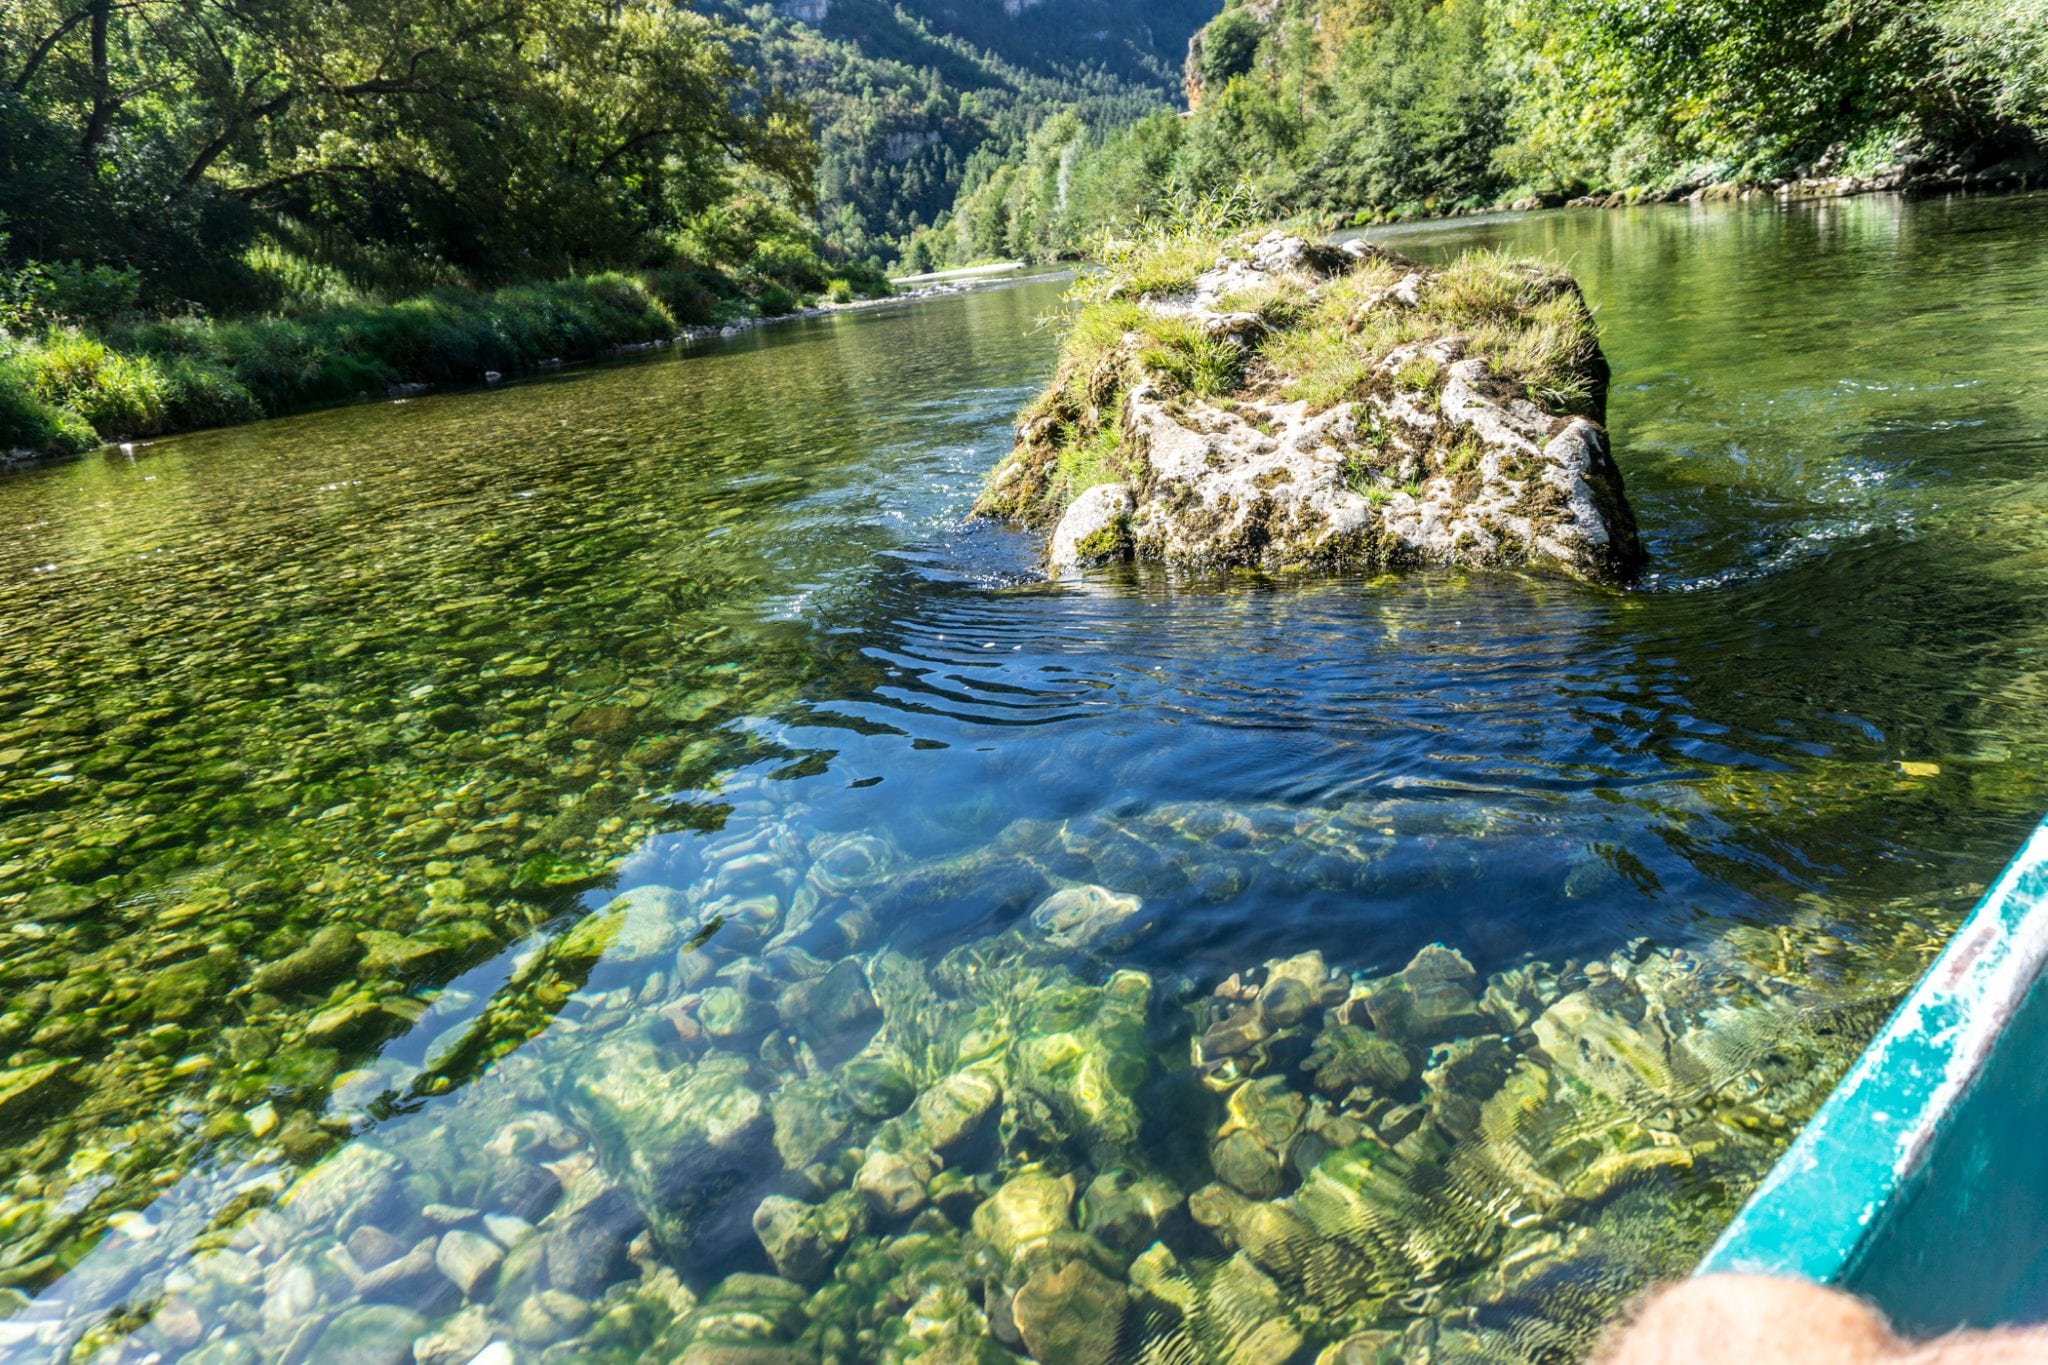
(1126, 1211)
(685, 1142)
(456, 1341)
(955, 1108)
(808, 1118)
(1082, 1054)
(24, 1089)
(1026, 1211)
(1428, 1000)
(370, 1335)
(893, 1186)
(1072, 1314)
(1602, 1051)
(1303, 406)
(404, 1280)
(1346, 1056)
(1084, 917)
(836, 1012)
(467, 1259)
(805, 1239)
(747, 1318)
(327, 955)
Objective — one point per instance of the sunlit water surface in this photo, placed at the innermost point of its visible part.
(326, 744)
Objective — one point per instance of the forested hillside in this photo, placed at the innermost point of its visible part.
(913, 101)
(241, 158)
(161, 157)
(1355, 109)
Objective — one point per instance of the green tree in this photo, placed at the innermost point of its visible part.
(1229, 45)
(1412, 117)
(506, 137)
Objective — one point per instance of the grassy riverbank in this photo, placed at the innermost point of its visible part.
(71, 389)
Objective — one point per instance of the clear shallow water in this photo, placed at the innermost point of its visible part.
(444, 679)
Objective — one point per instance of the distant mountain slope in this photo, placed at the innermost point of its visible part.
(1142, 41)
(911, 100)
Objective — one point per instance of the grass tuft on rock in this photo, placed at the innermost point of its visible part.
(1085, 461)
(1527, 319)
(1185, 360)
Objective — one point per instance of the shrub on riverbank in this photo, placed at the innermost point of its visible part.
(67, 390)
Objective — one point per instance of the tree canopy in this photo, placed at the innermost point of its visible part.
(503, 137)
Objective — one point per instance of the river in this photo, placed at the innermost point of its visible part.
(330, 746)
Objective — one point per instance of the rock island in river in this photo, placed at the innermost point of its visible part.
(1305, 406)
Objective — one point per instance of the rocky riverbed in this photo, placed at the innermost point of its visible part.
(1304, 406)
(753, 1128)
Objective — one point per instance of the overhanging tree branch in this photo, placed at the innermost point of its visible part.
(44, 48)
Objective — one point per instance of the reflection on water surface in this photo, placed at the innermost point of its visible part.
(614, 867)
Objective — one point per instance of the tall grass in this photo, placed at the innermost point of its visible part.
(298, 269)
(67, 390)
(1165, 251)
(28, 422)
(1187, 360)
(1086, 460)
(1526, 319)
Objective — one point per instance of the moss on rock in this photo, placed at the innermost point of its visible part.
(1310, 407)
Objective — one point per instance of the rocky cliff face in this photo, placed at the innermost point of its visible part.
(1305, 407)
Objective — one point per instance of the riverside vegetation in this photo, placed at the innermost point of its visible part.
(1363, 110)
(69, 390)
(161, 162)
(207, 216)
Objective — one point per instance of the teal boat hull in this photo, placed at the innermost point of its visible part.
(1922, 1183)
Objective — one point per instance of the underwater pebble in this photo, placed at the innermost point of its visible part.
(466, 1258)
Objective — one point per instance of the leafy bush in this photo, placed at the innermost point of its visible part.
(868, 279)
(117, 395)
(29, 423)
(839, 291)
(201, 393)
(793, 264)
(694, 295)
(44, 294)
(774, 300)
(144, 378)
